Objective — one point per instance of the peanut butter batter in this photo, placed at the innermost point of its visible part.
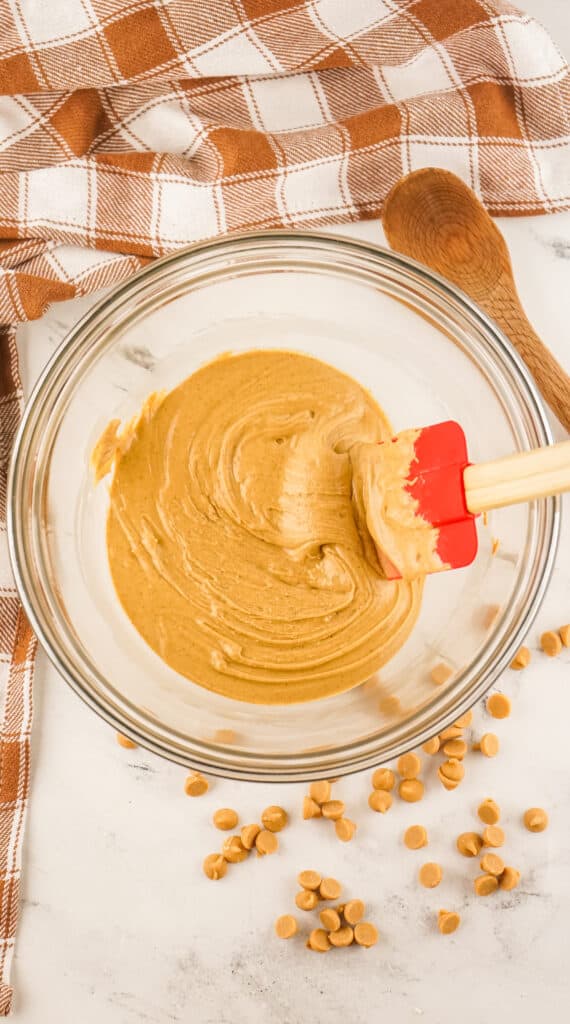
(237, 544)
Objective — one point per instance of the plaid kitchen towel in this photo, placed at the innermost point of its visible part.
(131, 127)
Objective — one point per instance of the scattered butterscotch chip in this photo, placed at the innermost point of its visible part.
(489, 744)
(365, 934)
(330, 919)
(440, 674)
(215, 866)
(551, 643)
(484, 885)
(233, 850)
(390, 705)
(274, 818)
(453, 732)
(333, 809)
(266, 842)
(225, 819)
(225, 736)
(411, 790)
(383, 778)
(489, 812)
(409, 766)
(495, 545)
(345, 829)
(465, 721)
(354, 911)
(319, 941)
(248, 835)
(451, 773)
(490, 615)
(448, 921)
(430, 875)
(125, 742)
(343, 937)
(521, 659)
(330, 889)
(286, 926)
(196, 785)
(380, 800)
(306, 899)
(493, 836)
(320, 792)
(565, 635)
(309, 879)
(431, 746)
(469, 844)
(509, 879)
(492, 864)
(498, 705)
(311, 809)
(535, 819)
(455, 748)
(415, 837)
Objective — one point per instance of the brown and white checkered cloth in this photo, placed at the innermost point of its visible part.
(131, 127)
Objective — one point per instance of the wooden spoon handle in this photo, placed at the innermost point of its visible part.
(503, 305)
(520, 477)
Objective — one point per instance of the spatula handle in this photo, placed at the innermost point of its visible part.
(520, 477)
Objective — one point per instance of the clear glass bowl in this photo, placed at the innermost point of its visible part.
(425, 352)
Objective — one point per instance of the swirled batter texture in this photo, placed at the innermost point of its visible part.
(234, 542)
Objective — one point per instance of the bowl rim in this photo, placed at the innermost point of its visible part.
(224, 762)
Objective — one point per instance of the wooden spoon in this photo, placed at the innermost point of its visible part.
(434, 217)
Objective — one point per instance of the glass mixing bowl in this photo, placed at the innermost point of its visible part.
(425, 352)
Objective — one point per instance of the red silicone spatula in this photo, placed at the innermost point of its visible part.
(450, 491)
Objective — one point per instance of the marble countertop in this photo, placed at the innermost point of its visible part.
(119, 924)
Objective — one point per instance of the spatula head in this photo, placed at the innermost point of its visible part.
(435, 481)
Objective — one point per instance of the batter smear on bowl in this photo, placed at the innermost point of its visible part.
(237, 535)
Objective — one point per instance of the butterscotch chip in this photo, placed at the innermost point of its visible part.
(469, 844)
(248, 835)
(389, 705)
(366, 934)
(330, 920)
(196, 785)
(383, 778)
(380, 800)
(233, 850)
(306, 899)
(330, 889)
(266, 842)
(453, 732)
(440, 674)
(125, 742)
(319, 941)
(448, 784)
(493, 836)
(509, 879)
(535, 819)
(409, 766)
(320, 792)
(274, 818)
(448, 921)
(309, 879)
(215, 866)
(225, 819)
(464, 721)
(431, 746)
(343, 937)
(521, 659)
(489, 744)
(345, 829)
(455, 748)
(311, 809)
(551, 643)
(415, 837)
(411, 790)
(484, 885)
(286, 926)
(565, 635)
(430, 875)
(452, 770)
(498, 705)
(333, 809)
(354, 911)
(489, 812)
(492, 864)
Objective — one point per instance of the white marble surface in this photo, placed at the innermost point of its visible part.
(120, 926)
